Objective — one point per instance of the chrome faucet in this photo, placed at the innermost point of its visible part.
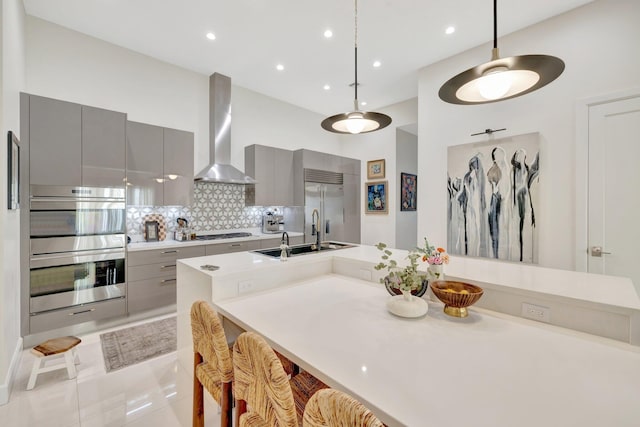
(315, 227)
(284, 247)
(285, 235)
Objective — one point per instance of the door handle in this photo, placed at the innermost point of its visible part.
(598, 252)
(326, 227)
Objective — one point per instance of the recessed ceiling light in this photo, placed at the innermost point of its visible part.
(450, 30)
(377, 64)
(326, 87)
(211, 36)
(279, 67)
(328, 34)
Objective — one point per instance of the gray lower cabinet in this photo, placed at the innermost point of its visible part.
(225, 248)
(275, 243)
(151, 277)
(76, 315)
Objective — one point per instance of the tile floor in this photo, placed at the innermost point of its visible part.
(153, 393)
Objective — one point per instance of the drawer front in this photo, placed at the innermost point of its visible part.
(163, 255)
(225, 248)
(142, 272)
(76, 315)
(149, 294)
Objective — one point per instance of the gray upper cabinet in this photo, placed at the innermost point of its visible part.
(144, 164)
(55, 142)
(273, 170)
(75, 145)
(103, 147)
(178, 167)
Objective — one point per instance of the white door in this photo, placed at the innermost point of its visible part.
(614, 188)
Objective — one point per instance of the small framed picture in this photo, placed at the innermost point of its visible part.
(151, 231)
(375, 169)
(377, 201)
(13, 168)
(408, 191)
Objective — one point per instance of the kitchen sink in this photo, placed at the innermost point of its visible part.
(308, 248)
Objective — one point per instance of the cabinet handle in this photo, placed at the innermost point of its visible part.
(235, 245)
(80, 312)
(165, 281)
(168, 266)
(169, 252)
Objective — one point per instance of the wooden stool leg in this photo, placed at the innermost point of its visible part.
(71, 367)
(198, 394)
(35, 370)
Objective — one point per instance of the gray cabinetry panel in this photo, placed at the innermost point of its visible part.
(55, 146)
(75, 315)
(148, 294)
(275, 243)
(178, 167)
(273, 170)
(144, 164)
(163, 255)
(352, 206)
(103, 147)
(143, 272)
(225, 248)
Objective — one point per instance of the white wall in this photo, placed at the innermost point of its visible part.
(406, 161)
(12, 81)
(599, 44)
(381, 145)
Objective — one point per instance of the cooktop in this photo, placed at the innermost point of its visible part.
(223, 236)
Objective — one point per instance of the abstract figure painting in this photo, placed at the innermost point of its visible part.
(408, 191)
(493, 198)
(377, 197)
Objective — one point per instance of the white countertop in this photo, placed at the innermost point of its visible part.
(170, 243)
(485, 370)
(590, 288)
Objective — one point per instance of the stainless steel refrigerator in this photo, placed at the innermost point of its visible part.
(328, 200)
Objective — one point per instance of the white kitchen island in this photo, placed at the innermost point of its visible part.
(490, 369)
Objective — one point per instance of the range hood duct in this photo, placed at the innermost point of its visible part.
(219, 168)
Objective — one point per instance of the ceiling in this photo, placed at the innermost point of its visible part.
(252, 36)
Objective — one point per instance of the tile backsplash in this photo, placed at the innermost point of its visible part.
(215, 207)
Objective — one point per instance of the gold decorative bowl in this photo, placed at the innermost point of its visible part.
(456, 296)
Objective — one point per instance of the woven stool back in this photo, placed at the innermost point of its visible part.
(262, 383)
(209, 339)
(329, 407)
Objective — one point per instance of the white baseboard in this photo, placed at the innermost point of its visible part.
(5, 387)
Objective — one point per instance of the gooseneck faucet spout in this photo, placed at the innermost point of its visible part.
(315, 227)
(285, 238)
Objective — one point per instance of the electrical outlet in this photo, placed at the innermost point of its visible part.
(245, 286)
(536, 312)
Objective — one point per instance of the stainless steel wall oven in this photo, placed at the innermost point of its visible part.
(77, 246)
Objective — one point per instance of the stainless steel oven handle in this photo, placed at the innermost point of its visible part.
(40, 261)
(82, 312)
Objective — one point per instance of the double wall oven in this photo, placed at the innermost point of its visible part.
(77, 248)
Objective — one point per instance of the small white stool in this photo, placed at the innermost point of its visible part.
(65, 346)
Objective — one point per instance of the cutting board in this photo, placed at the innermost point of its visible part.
(162, 224)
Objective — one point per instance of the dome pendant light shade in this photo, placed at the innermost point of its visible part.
(501, 78)
(356, 121)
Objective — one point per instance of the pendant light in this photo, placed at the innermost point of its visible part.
(501, 78)
(356, 121)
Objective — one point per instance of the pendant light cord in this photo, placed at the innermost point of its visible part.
(355, 100)
(495, 24)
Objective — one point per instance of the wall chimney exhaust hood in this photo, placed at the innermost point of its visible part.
(219, 168)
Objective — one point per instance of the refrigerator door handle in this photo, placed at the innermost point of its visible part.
(326, 227)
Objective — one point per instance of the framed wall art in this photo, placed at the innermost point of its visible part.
(151, 231)
(408, 191)
(377, 201)
(13, 168)
(375, 169)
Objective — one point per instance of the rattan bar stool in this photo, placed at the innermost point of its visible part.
(212, 366)
(331, 407)
(264, 394)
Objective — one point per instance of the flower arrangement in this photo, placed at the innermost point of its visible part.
(408, 278)
(433, 255)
